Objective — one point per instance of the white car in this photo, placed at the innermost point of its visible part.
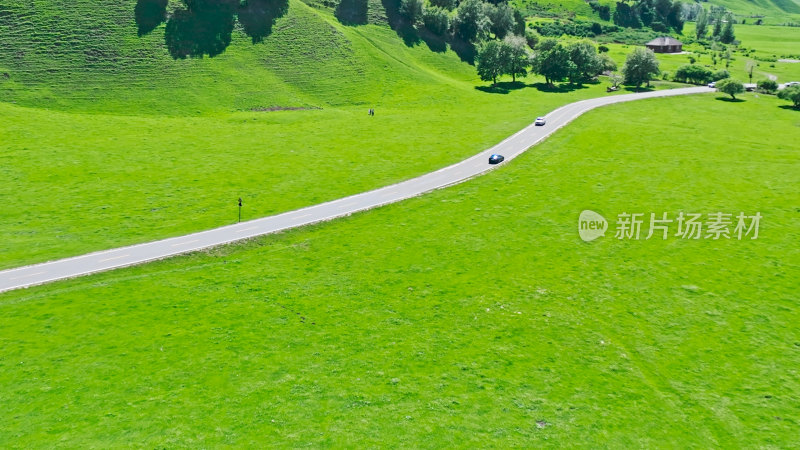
(712, 84)
(792, 83)
(539, 121)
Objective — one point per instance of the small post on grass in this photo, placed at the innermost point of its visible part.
(240, 209)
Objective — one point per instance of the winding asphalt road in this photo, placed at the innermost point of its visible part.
(126, 256)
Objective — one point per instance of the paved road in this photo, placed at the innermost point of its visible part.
(476, 165)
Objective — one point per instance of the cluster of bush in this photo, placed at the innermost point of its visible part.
(695, 74)
(577, 62)
(574, 28)
(471, 20)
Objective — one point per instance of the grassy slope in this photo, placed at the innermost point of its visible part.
(774, 11)
(166, 147)
(392, 328)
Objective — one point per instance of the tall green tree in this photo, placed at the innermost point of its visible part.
(727, 36)
(701, 27)
(491, 60)
(471, 20)
(640, 67)
(552, 61)
(585, 60)
(501, 18)
(518, 58)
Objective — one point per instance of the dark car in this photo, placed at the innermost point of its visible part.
(496, 159)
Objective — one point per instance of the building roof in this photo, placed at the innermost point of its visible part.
(664, 40)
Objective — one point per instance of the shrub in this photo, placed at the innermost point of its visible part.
(690, 73)
(720, 75)
(791, 93)
(767, 86)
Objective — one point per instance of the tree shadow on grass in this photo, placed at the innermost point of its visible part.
(149, 14)
(503, 87)
(492, 89)
(558, 88)
(352, 12)
(731, 100)
(634, 89)
(790, 107)
(204, 27)
(434, 42)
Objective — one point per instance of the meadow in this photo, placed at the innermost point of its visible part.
(472, 316)
(168, 146)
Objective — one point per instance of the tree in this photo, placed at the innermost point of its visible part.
(436, 19)
(750, 66)
(767, 86)
(731, 87)
(609, 65)
(446, 4)
(640, 66)
(615, 79)
(517, 59)
(471, 20)
(717, 28)
(701, 27)
(585, 60)
(412, 10)
(720, 75)
(552, 61)
(791, 93)
(501, 18)
(727, 36)
(491, 60)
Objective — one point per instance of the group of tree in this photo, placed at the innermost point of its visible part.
(507, 57)
(659, 15)
(721, 23)
(471, 20)
(577, 62)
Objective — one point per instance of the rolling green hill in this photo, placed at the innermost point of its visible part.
(86, 55)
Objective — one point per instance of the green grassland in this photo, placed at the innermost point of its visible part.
(772, 11)
(472, 316)
(135, 145)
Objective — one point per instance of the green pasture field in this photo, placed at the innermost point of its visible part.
(472, 316)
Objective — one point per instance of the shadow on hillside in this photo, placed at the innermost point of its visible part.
(352, 12)
(730, 100)
(149, 14)
(204, 27)
(259, 16)
(503, 87)
(413, 36)
(790, 107)
(557, 88)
